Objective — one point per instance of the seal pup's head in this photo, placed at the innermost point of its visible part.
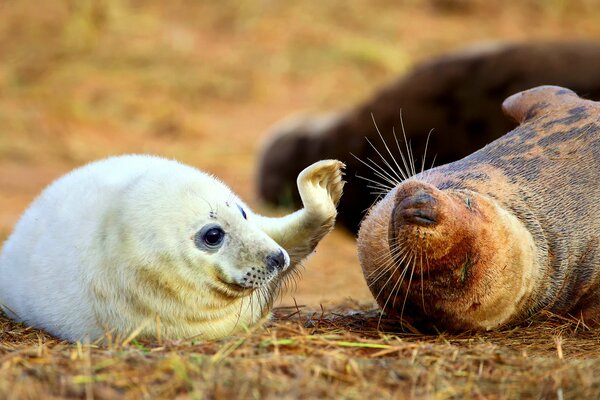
(240, 256)
(190, 251)
(452, 257)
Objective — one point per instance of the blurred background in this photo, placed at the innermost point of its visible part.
(202, 82)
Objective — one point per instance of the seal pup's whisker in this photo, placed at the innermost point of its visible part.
(262, 300)
(294, 276)
(249, 304)
(239, 314)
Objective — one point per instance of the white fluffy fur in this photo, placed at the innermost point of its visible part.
(110, 247)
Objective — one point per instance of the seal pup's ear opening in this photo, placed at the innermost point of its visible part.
(529, 104)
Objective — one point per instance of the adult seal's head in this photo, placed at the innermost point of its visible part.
(147, 245)
(500, 235)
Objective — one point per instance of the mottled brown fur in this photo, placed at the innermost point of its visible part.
(516, 220)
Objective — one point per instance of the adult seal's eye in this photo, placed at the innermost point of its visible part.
(209, 237)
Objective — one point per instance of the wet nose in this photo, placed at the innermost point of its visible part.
(419, 209)
(275, 261)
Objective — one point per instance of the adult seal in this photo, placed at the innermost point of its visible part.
(147, 245)
(504, 233)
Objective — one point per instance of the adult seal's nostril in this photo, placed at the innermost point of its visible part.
(275, 261)
(418, 209)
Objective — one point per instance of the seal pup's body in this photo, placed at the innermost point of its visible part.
(144, 243)
(502, 234)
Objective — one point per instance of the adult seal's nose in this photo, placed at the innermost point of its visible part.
(275, 261)
(419, 208)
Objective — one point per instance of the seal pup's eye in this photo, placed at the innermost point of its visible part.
(242, 211)
(209, 237)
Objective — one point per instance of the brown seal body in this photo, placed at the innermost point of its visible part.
(502, 234)
(458, 95)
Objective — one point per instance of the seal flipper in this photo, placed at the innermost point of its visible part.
(320, 186)
(528, 104)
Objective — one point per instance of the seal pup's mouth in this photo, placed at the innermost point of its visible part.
(248, 279)
(256, 277)
(227, 289)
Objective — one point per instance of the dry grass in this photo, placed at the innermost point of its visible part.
(202, 82)
(311, 354)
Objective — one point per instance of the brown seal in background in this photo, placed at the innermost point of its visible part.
(458, 95)
(502, 234)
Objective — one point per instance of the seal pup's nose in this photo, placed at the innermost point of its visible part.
(418, 208)
(275, 261)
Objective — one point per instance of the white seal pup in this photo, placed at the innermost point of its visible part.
(144, 243)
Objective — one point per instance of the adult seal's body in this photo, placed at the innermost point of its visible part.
(141, 243)
(502, 234)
